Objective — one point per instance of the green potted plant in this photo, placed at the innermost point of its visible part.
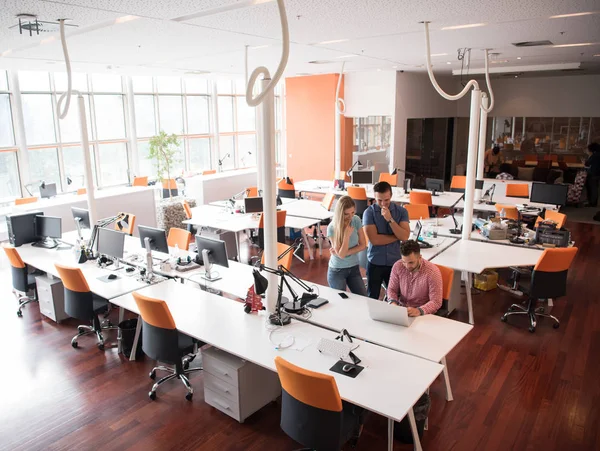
(163, 150)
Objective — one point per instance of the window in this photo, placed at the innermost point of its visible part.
(227, 152)
(74, 164)
(245, 116)
(34, 81)
(225, 106)
(199, 154)
(147, 167)
(78, 82)
(107, 83)
(224, 87)
(246, 150)
(43, 166)
(9, 175)
(110, 119)
(196, 86)
(3, 81)
(113, 163)
(198, 115)
(145, 120)
(142, 84)
(38, 115)
(168, 85)
(70, 131)
(170, 112)
(6, 126)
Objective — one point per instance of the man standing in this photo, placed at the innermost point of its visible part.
(386, 224)
(493, 159)
(593, 177)
(415, 283)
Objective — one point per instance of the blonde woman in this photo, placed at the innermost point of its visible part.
(347, 240)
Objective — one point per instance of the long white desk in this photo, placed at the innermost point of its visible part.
(222, 185)
(307, 209)
(390, 384)
(475, 256)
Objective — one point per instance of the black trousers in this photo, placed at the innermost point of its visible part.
(592, 189)
(376, 274)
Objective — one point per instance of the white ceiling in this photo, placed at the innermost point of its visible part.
(383, 34)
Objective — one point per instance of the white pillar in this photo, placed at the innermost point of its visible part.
(134, 162)
(337, 167)
(267, 132)
(471, 162)
(482, 143)
(89, 178)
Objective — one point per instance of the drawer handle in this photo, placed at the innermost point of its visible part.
(221, 405)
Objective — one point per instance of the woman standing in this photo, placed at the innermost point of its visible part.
(347, 240)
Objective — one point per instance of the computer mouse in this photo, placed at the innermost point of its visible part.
(130, 269)
(347, 367)
(112, 276)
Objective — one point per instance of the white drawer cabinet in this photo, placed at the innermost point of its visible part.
(237, 387)
(51, 296)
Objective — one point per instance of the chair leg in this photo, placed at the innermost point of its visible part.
(187, 384)
(24, 300)
(82, 330)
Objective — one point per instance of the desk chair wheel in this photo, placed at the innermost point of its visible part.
(531, 329)
(100, 346)
(152, 395)
(189, 396)
(556, 325)
(503, 318)
(19, 313)
(74, 344)
(152, 374)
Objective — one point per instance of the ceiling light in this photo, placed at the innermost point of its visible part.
(519, 69)
(580, 44)
(518, 57)
(439, 54)
(459, 27)
(335, 41)
(560, 16)
(124, 19)
(346, 56)
(516, 76)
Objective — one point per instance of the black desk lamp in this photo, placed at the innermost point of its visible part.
(221, 162)
(456, 230)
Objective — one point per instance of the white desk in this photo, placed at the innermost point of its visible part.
(307, 209)
(212, 187)
(222, 323)
(475, 256)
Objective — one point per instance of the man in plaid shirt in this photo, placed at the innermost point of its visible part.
(415, 283)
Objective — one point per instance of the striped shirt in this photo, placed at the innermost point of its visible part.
(420, 288)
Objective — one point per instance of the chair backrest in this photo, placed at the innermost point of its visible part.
(359, 196)
(458, 182)
(509, 210)
(311, 407)
(140, 181)
(544, 164)
(81, 191)
(18, 269)
(549, 277)
(25, 200)
(447, 279)
(252, 191)
(287, 259)
(187, 209)
(417, 211)
(79, 302)
(285, 188)
(169, 184)
(281, 215)
(387, 177)
(420, 197)
(209, 172)
(557, 217)
(517, 190)
(179, 237)
(328, 201)
(130, 224)
(160, 337)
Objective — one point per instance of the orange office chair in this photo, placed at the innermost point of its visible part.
(281, 215)
(387, 177)
(127, 224)
(447, 278)
(140, 181)
(209, 172)
(286, 260)
(359, 196)
(252, 191)
(169, 186)
(285, 188)
(420, 197)
(417, 211)
(179, 237)
(81, 191)
(548, 281)
(517, 190)
(509, 210)
(458, 184)
(22, 281)
(25, 200)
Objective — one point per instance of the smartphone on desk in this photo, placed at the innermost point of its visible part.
(316, 303)
(343, 295)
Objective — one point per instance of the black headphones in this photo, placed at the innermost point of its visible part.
(185, 261)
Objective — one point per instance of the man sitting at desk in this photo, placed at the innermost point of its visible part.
(415, 283)
(386, 224)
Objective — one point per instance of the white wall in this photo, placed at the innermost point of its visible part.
(370, 93)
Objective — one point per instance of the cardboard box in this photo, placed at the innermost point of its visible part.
(486, 281)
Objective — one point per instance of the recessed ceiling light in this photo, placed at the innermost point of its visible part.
(518, 57)
(580, 44)
(516, 76)
(560, 16)
(448, 62)
(459, 27)
(335, 41)
(439, 54)
(124, 19)
(346, 56)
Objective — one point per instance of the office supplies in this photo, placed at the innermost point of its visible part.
(343, 295)
(316, 303)
(490, 192)
(386, 313)
(335, 348)
(422, 244)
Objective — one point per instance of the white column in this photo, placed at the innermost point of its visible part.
(19, 127)
(471, 162)
(482, 143)
(267, 131)
(134, 160)
(89, 177)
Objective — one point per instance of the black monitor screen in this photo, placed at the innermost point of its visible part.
(48, 191)
(111, 242)
(544, 193)
(48, 226)
(82, 215)
(217, 251)
(362, 177)
(158, 238)
(434, 185)
(253, 204)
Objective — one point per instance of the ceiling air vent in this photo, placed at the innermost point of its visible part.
(531, 43)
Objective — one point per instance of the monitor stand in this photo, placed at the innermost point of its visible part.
(208, 275)
(46, 243)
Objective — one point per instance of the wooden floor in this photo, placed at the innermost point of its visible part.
(513, 390)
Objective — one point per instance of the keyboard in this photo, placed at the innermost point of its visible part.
(334, 348)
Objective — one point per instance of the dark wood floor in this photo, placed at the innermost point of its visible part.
(512, 389)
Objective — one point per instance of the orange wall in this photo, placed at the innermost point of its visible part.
(310, 127)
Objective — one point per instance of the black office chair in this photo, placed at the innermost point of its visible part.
(23, 282)
(162, 342)
(80, 303)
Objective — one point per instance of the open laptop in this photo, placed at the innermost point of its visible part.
(387, 313)
(422, 244)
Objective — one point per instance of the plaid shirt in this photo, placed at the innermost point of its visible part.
(421, 288)
(504, 176)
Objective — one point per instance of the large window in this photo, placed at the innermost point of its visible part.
(7, 137)
(9, 175)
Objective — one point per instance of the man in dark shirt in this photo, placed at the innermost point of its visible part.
(593, 167)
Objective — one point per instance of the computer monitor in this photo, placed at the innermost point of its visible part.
(544, 193)
(253, 204)
(111, 242)
(47, 230)
(83, 216)
(215, 251)
(435, 185)
(47, 190)
(21, 227)
(365, 177)
(158, 238)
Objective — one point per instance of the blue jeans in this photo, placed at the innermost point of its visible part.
(338, 278)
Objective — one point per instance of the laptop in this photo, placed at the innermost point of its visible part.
(387, 313)
(422, 244)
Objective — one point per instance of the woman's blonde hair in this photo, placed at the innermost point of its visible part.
(343, 204)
